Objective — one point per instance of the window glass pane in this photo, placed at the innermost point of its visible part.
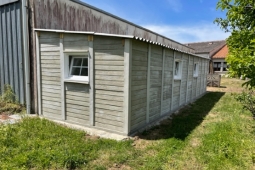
(176, 68)
(84, 72)
(225, 66)
(85, 62)
(77, 61)
(75, 71)
(70, 62)
(195, 68)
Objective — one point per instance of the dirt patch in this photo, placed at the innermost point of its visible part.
(229, 85)
(195, 142)
(119, 167)
(141, 144)
(91, 137)
(226, 90)
(4, 116)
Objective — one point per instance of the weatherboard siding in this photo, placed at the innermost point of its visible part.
(50, 75)
(77, 102)
(167, 83)
(190, 78)
(75, 43)
(185, 60)
(109, 83)
(148, 84)
(155, 82)
(139, 84)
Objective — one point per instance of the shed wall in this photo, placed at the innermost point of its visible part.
(109, 83)
(155, 92)
(139, 84)
(72, 101)
(50, 75)
(11, 51)
(168, 81)
(77, 101)
(190, 79)
(155, 87)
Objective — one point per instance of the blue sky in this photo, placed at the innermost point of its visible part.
(181, 20)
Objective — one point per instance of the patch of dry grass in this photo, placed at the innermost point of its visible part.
(232, 85)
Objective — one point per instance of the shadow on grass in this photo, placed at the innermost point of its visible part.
(223, 87)
(188, 118)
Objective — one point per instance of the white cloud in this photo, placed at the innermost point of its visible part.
(175, 5)
(185, 34)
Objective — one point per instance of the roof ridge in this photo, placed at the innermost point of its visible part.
(205, 42)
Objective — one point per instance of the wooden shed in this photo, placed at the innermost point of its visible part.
(115, 83)
(85, 66)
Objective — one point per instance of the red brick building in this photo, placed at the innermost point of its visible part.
(217, 51)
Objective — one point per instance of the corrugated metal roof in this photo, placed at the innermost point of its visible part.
(78, 16)
(117, 35)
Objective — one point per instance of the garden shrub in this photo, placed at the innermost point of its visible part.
(8, 101)
(247, 99)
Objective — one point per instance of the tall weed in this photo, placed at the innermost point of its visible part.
(8, 101)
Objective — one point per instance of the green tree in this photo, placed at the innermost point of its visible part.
(240, 21)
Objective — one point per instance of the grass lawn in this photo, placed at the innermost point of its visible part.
(212, 133)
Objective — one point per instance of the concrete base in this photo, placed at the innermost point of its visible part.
(94, 132)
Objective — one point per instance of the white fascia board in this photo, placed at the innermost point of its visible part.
(114, 35)
(63, 31)
(4, 2)
(81, 32)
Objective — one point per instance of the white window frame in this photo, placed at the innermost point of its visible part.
(178, 76)
(68, 67)
(195, 69)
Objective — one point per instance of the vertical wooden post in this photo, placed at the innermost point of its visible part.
(38, 58)
(62, 66)
(203, 77)
(192, 97)
(180, 96)
(206, 73)
(172, 98)
(127, 84)
(199, 75)
(187, 88)
(162, 83)
(148, 85)
(91, 81)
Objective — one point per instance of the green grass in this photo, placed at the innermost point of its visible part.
(212, 133)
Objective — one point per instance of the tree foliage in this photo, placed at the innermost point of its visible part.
(240, 21)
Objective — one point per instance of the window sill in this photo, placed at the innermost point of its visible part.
(76, 81)
(177, 78)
